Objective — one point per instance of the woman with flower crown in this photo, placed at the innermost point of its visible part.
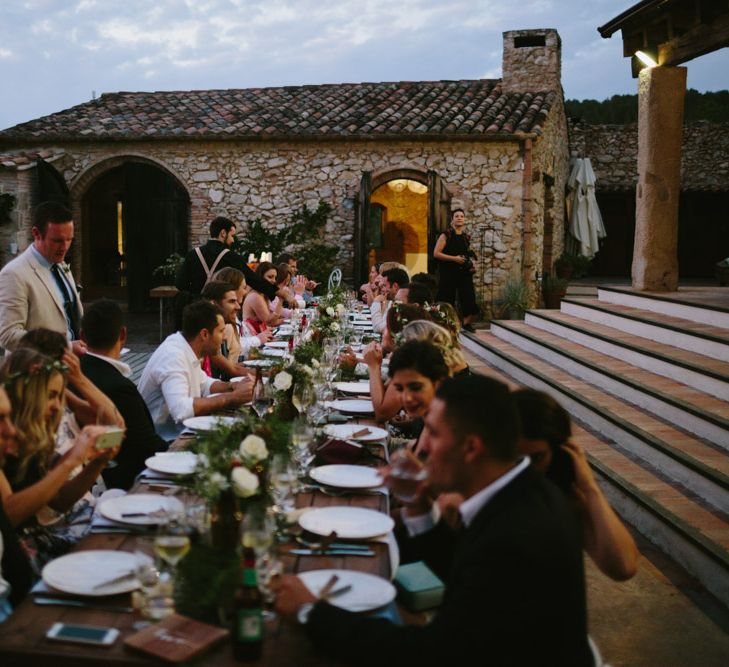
(32, 478)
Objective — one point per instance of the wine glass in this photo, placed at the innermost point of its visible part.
(406, 476)
(172, 541)
(301, 436)
(283, 478)
(262, 401)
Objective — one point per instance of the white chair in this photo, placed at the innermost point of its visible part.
(335, 278)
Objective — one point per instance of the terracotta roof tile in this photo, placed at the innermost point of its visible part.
(24, 159)
(421, 108)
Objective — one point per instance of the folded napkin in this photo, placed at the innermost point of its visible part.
(334, 451)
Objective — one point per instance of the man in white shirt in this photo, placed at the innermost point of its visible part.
(391, 282)
(515, 592)
(173, 385)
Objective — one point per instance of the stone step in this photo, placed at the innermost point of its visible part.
(694, 535)
(695, 370)
(710, 341)
(709, 305)
(678, 455)
(692, 410)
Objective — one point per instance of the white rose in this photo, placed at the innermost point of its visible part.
(330, 311)
(315, 363)
(340, 309)
(335, 326)
(253, 447)
(283, 381)
(203, 460)
(245, 483)
(307, 370)
(216, 479)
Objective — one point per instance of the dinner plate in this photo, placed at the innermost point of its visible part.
(173, 463)
(347, 476)
(353, 387)
(273, 351)
(240, 378)
(368, 591)
(347, 431)
(353, 406)
(79, 572)
(350, 523)
(259, 363)
(282, 344)
(152, 507)
(208, 423)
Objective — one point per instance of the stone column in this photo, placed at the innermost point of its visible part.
(660, 134)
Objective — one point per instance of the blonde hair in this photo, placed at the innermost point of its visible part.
(438, 336)
(386, 266)
(25, 375)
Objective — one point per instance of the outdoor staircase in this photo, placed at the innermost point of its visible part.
(646, 380)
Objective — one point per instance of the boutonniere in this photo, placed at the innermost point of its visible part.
(65, 267)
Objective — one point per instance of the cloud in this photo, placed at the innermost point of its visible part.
(5, 53)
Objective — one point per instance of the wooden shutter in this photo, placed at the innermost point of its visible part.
(439, 210)
(360, 229)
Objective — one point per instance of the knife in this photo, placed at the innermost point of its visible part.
(115, 580)
(331, 552)
(78, 603)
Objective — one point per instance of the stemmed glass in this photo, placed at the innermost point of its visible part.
(171, 544)
(301, 436)
(283, 478)
(303, 398)
(262, 401)
(257, 533)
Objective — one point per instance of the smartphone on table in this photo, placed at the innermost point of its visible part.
(82, 634)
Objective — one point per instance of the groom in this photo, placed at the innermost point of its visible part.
(515, 591)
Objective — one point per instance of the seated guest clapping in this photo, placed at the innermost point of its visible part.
(16, 576)
(545, 438)
(174, 386)
(515, 589)
(104, 331)
(33, 477)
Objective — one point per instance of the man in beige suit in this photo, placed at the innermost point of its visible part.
(37, 288)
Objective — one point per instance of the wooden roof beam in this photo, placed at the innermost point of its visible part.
(699, 40)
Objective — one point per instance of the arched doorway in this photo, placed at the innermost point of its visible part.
(134, 216)
(400, 214)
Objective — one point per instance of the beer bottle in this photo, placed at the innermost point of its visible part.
(248, 630)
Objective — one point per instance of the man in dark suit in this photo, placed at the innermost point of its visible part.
(515, 592)
(103, 330)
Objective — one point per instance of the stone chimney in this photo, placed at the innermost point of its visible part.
(532, 61)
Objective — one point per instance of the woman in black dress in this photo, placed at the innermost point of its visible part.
(452, 250)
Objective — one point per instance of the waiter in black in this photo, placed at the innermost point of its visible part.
(202, 262)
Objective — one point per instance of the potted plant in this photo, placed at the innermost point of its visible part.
(564, 266)
(515, 299)
(554, 290)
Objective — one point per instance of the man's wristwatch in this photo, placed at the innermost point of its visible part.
(304, 611)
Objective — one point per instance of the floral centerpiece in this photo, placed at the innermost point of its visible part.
(331, 310)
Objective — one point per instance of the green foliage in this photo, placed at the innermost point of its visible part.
(304, 237)
(551, 284)
(7, 204)
(579, 263)
(623, 109)
(305, 352)
(170, 267)
(515, 296)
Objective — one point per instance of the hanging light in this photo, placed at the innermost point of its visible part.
(417, 188)
(398, 185)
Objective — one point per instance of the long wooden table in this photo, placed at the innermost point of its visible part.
(23, 641)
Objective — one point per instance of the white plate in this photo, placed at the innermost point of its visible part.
(259, 363)
(347, 476)
(353, 387)
(241, 378)
(173, 463)
(353, 405)
(350, 523)
(77, 573)
(282, 344)
(273, 352)
(134, 503)
(368, 591)
(345, 431)
(209, 423)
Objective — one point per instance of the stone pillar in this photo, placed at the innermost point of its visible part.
(660, 133)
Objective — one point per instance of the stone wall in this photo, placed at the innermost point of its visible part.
(526, 68)
(244, 180)
(613, 150)
(18, 183)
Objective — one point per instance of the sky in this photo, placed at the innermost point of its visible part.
(55, 54)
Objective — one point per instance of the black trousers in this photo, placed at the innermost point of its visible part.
(456, 288)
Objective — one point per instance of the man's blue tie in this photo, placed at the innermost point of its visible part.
(69, 302)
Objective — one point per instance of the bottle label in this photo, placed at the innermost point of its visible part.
(250, 625)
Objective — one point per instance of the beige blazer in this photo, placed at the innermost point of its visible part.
(29, 299)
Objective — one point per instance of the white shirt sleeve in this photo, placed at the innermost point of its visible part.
(177, 392)
(416, 525)
(379, 316)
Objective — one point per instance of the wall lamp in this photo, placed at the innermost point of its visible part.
(642, 59)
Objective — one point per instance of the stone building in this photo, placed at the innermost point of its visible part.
(145, 172)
